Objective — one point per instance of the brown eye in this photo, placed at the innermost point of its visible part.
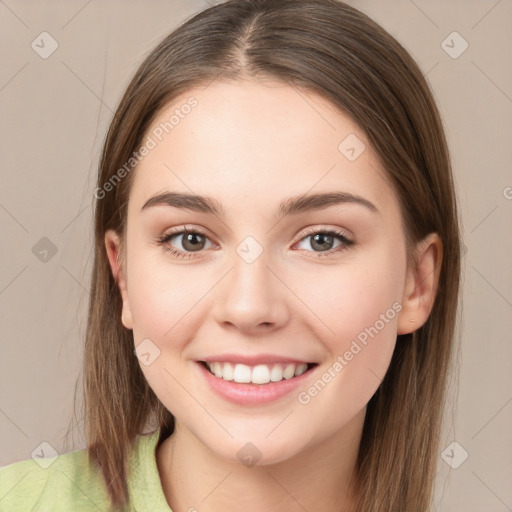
(323, 242)
(193, 241)
(184, 242)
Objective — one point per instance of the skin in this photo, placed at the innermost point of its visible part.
(250, 146)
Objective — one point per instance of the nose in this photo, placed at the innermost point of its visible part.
(251, 298)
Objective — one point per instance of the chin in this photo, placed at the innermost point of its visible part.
(256, 450)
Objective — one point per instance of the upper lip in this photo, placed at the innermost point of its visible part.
(253, 360)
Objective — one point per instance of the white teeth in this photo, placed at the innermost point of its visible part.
(242, 373)
(217, 369)
(276, 374)
(228, 371)
(289, 371)
(301, 368)
(260, 374)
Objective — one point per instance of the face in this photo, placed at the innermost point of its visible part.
(268, 282)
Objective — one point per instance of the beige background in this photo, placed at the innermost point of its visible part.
(55, 113)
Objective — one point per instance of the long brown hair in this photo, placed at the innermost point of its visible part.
(332, 49)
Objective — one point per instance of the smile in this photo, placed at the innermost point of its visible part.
(258, 374)
(257, 384)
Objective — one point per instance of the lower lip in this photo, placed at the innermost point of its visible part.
(252, 394)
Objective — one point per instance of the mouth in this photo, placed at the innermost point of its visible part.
(260, 374)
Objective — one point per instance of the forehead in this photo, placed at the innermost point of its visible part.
(257, 143)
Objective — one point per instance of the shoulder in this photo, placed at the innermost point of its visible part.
(69, 481)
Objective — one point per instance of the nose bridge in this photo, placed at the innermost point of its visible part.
(251, 295)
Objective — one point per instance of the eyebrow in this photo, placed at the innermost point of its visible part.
(291, 206)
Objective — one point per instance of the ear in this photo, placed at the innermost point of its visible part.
(421, 285)
(112, 245)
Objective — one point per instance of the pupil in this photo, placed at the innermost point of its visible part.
(190, 238)
(322, 246)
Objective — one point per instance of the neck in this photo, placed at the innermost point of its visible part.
(318, 478)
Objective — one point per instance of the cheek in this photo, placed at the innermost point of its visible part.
(345, 299)
(360, 306)
(163, 303)
(162, 299)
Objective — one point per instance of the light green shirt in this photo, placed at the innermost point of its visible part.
(71, 483)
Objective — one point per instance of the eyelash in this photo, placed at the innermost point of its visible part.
(165, 239)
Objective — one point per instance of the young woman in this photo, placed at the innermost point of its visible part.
(276, 276)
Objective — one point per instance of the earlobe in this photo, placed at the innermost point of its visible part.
(112, 246)
(421, 285)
